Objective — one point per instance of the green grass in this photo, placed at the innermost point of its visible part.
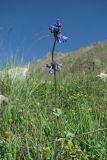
(33, 128)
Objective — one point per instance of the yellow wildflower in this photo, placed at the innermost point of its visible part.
(46, 152)
(69, 146)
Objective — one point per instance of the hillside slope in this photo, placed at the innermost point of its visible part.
(91, 58)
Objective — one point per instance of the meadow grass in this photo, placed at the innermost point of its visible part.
(33, 128)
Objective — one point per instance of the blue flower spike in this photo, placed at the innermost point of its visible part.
(56, 31)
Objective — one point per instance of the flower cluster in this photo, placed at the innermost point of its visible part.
(56, 31)
(54, 67)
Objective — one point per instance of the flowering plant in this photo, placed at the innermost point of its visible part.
(58, 37)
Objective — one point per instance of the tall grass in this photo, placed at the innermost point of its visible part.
(31, 128)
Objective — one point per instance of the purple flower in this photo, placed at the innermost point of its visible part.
(51, 68)
(56, 31)
(62, 38)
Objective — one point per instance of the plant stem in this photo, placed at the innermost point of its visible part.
(91, 132)
(54, 68)
(55, 85)
(53, 50)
